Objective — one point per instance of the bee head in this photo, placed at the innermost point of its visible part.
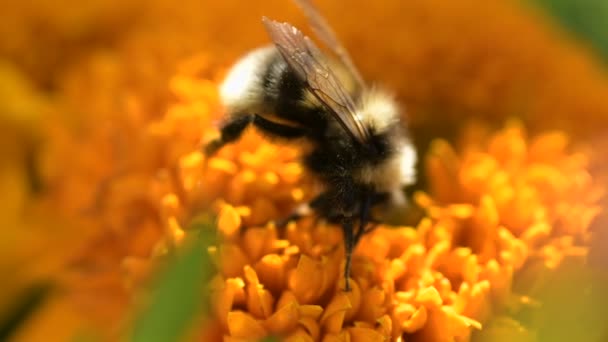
(378, 110)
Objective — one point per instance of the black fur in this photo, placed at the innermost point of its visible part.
(334, 157)
(234, 128)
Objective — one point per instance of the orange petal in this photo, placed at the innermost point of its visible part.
(374, 301)
(474, 301)
(374, 246)
(385, 326)
(283, 320)
(190, 168)
(170, 206)
(291, 173)
(137, 270)
(238, 186)
(337, 337)
(255, 241)
(459, 325)
(414, 257)
(226, 298)
(436, 327)
(548, 147)
(174, 231)
(306, 281)
(232, 260)
(312, 327)
(471, 269)
(262, 210)
(460, 211)
(223, 165)
(332, 266)
(429, 297)
(259, 300)
(243, 325)
(437, 253)
(501, 279)
(416, 321)
(312, 311)
(364, 335)
(441, 164)
(234, 339)
(300, 335)
(287, 297)
(333, 316)
(272, 273)
(396, 270)
(354, 298)
(362, 324)
(229, 222)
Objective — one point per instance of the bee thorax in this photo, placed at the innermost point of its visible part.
(242, 89)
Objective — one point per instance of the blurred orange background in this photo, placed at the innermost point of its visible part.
(102, 102)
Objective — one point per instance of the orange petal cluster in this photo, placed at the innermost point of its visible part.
(499, 208)
(130, 98)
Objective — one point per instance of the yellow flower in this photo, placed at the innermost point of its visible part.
(123, 94)
(439, 280)
(498, 208)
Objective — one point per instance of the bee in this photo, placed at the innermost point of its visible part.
(360, 151)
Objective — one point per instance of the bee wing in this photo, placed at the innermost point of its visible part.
(324, 32)
(306, 61)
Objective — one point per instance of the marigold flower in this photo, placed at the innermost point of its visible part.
(128, 92)
(439, 281)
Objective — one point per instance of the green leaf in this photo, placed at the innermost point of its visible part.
(585, 18)
(270, 339)
(179, 296)
(574, 305)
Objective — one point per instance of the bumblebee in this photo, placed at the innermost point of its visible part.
(360, 151)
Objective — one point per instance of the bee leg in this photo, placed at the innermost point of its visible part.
(366, 218)
(234, 128)
(349, 245)
(363, 216)
(230, 132)
(373, 225)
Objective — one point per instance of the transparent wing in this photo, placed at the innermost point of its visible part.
(307, 62)
(324, 32)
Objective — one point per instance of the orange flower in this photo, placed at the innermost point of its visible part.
(436, 282)
(129, 95)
